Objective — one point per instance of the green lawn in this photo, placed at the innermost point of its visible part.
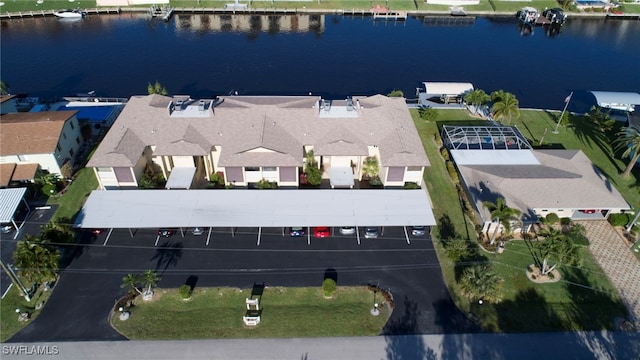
(287, 312)
(73, 199)
(582, 300)
(12, 301)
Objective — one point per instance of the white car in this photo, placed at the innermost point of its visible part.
(347, 230)
(418, 231)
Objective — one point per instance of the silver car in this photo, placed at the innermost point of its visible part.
(197, 231)
(371, 232)
(347, 230)
(418, 231)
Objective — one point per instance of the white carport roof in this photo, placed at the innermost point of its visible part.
(617, 100)
(9, 201)
(447, 88)
(253, 208)
(181, 177)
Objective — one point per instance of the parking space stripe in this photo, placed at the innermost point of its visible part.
(406, 235)
(108, 236)
(259, 234)
(157, 239)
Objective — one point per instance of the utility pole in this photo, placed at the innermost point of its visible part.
(16, 280)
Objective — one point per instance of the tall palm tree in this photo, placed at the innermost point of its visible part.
(477, 98)
(479, 282)
(506, 108)
(504, 214)
(149, 279)
(600, 119)
(36, 261)
(130, 282)
(628, 141)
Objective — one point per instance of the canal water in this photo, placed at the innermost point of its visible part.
(333, 56)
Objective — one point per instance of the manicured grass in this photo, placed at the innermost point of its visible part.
(12, 301)
(32, 5)
(287, 312)
(71, 201)
(582, 300)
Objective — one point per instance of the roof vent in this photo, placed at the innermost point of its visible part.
(326, 104)
(349, 104)
(201, 105)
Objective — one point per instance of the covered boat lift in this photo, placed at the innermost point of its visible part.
(624, 101)
(135, 209)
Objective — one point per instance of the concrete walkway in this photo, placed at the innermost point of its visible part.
(535, 346)
(618, 262)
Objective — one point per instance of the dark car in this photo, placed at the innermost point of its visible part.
(296, 231)
(321, 232)
(166, 232)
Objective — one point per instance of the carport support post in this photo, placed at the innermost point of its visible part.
(628, 228)
(232, 232)
(130, 232)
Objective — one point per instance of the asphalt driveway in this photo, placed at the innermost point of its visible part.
(87, 290)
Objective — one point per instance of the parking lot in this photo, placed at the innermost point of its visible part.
(404, 264)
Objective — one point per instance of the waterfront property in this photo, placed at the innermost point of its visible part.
(499, 162)
(243, 140)
(47, 139)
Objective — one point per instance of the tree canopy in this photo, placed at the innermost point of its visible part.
(628, 141)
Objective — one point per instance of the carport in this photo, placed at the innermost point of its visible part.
(624, 101)
(134, 209)
(9, 201)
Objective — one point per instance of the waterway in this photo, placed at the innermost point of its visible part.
(333, 56)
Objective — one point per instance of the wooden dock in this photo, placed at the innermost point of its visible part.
(392, 15)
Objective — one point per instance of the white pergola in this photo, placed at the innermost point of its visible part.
(134, 209)
(9, 201)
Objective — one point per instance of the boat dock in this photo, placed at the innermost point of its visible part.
(392, 15)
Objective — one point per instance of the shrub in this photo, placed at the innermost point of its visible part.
(184, 291)
(396, 93)
(428, 114)
(217, 178)
(375, 181)
(453, 173)
(445, 154)
(565, 221)
(411, 185)
(314, 177)
(619, 219)
(266, 184)
(457, 250)
(328, 287)
(551, 218)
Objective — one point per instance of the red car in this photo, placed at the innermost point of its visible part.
(96, 231)
(321, 232)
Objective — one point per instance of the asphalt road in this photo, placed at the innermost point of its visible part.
(87, 290)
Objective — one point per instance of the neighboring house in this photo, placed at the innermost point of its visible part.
(8, 104)
(48, 139)
(498, 161)
(250, 138)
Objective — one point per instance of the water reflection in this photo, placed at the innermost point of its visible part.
(252, 24)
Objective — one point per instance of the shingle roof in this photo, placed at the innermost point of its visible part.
(564, 179)
(32, 133)
(265, 130)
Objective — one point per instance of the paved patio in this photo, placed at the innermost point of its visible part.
(618, 262)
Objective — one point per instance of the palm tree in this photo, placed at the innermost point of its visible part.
(503, 214)
(130, 282)
(36, 261)
(477, 98)
(479, 282)
(149, 279)
(628, 141)
(156, 88)
(559, 247)
(506, 107)
(370, 167)
(601, 119)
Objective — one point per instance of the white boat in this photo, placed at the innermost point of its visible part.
(70, 14)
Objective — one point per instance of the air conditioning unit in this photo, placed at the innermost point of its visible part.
(179, 104)
(201, 105)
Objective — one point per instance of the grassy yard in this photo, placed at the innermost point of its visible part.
(583, 299)
(71, 201)
(287, 312)
(12, 301)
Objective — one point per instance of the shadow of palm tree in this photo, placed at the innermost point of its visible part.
(168, 254)
(528, 311)
(589, 133)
